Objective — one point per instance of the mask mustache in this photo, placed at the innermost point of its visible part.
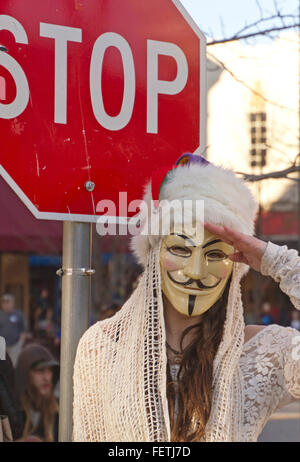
(191, 281)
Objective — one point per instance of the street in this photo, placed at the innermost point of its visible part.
(283, 426)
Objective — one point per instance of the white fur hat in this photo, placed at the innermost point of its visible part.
(227, 200)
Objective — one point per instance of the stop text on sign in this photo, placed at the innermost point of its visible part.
(62, 35)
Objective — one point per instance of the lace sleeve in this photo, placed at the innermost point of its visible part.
(283, 265)
(290, 346)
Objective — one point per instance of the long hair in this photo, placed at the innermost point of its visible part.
(48, 408)
(193, 389)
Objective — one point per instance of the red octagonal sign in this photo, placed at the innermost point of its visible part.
(95, 95)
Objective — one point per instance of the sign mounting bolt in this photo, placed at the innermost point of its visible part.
(89, 186)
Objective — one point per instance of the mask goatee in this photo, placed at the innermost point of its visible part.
(192, 299)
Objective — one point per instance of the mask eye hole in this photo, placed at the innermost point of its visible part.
(216, 255)
(178, 251)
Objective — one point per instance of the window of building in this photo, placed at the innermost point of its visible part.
(258, 136)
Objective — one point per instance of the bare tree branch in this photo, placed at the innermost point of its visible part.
(265, 20)
(260, 9)
(267, 24)
(279, 174)
(282, 154)
(222, 25)
(253, 34)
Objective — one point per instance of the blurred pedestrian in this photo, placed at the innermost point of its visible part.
(285, 310)
(43, 302)
(37, 374)
(47, 323)
(46, 333)
(41, 310)
(295, 320)
(12, 326)
(266, 317)
(8, 403)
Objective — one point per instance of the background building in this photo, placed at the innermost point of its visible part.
(253, 127)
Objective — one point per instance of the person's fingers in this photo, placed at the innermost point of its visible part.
(232, 234)
(219, 231)
(212, 226)
(225, 231)
(238, 257)
(216, 229)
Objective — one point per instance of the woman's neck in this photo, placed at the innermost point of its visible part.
(176, 323)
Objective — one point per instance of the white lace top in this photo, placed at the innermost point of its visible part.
(270, 361)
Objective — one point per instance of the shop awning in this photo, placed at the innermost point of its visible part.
(21, 231)
(280, 225)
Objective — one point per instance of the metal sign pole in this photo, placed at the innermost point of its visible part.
(76, 289)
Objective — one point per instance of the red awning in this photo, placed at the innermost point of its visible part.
(280, 224)
(21, 231)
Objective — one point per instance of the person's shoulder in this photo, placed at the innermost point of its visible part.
(18, 312)
(98, 345)
(97, 336)
(92, 332)
(273, 333)
(251, 330)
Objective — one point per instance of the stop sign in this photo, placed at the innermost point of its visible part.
(95, 95)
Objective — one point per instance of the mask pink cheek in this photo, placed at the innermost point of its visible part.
(170, 264)
(221, 271)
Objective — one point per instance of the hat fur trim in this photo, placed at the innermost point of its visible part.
(227, 201)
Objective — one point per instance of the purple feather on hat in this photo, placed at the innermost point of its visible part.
(189, 158)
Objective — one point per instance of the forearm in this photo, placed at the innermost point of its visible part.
(283, 265)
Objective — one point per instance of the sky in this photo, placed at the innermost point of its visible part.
(219, 18)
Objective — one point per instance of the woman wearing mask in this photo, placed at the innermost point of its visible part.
(177, 362)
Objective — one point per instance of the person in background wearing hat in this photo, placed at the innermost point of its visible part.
(12, 326)
(37, 373)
